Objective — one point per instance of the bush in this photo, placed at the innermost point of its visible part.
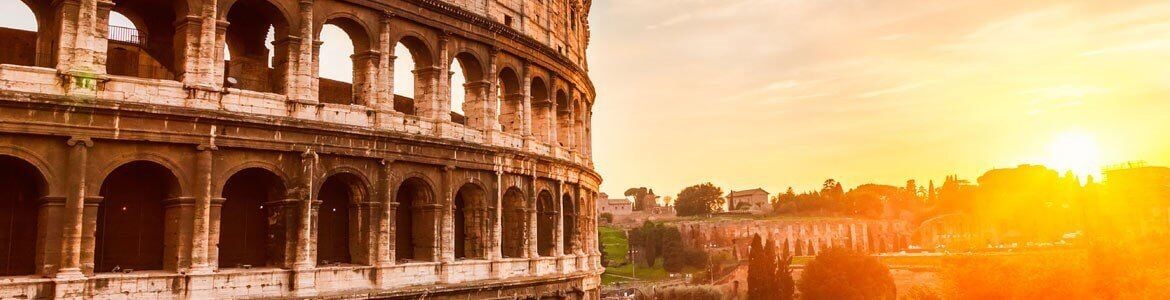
(606, 218)
(839, 273)
(693, 292)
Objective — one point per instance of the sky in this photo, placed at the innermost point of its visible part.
(779, 93)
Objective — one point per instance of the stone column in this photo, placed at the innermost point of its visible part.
(526, 105)
(559, 229)
(443, 85)
(495, 242)
(365, 78)
(81, 46)
(426, 99)
(446, 237)
(491, 95)
(553, 123)
(201, 236)
(315, 73)
(300, 80)
(479, 109)
(383, 99)
(531, 241)
(305, 260)
(75, 186)
(198, 33)
(383, 237)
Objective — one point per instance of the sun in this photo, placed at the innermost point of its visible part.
(1075, 151)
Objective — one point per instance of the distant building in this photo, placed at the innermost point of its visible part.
(619, 206)
(753, 200)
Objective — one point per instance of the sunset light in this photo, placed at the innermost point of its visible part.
(1075, 151)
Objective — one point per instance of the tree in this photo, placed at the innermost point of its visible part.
(758, 272)
(699, 200)
(840, 273)
(643, 198)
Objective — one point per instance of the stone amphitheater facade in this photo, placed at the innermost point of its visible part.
(146, 164)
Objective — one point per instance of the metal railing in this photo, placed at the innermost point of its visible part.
(126, 35)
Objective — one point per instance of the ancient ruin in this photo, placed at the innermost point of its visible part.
(191, 157)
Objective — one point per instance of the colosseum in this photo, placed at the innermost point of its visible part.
(201, 154)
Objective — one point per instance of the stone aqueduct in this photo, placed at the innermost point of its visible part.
(150, 165)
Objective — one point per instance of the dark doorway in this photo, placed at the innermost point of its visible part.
(21, 187)
(338, 194)
(130, 223)
(243, 237)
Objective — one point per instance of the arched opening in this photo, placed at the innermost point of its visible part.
(244, 229)
(131, 217)
(256, 53)
(344, 79)
(546, 214)
(541, 111)
(414, 75)
(141, 40)
(21, 29)
(511, 101)
(564, 120)
(471, 214)
(415, 222)
(339, 195)
(21, 189)
(468, 91)
(569, 231)
(512, 224)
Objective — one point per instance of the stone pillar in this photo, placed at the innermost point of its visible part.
(75, 187)
(305, 260)
(443, 84)
(530, 239)
(81, 47)
(198, 33)
(526, 105)
(383, 97)
(559, 229)
(383, 237)
(426, 90)
(491, 95)
(300, 79)
(553, 123)
(315, 73)
(480, 110)
(365, 78)
(201, 233)
(446, 234)
(495, 241)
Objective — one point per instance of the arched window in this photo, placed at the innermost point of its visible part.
(339, 196)
(512, 224)
(468, 92)
(546, 215)
(130, 223)
(256, 53)
(541, 111)
(415, 222)
(564, 120)
(141, 40)
(244, 233)
(413, 76)
(19, 28)
(511, 101)
(569, 231)
(21, 189)
(345, 79)
(472, 220)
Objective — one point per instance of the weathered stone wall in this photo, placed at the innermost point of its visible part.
(265, 189)
(803, 236)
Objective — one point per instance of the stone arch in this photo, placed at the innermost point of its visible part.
(148, 50)
(472, 221)
(416, 95)
(49, 179)
(564, 112)
(541, 110)
(569, 220)
(363, 62)
(138, 196)
(420, 50)
(251, 196)
(22, 187)
(253, 64)
(416, 221)
(546, 214)
(217, 188)
(511, 101)
(34, 48)
(468, 100)
(513, 223)
(338, 238)
(175, 168)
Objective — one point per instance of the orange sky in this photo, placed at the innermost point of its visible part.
(772, 93)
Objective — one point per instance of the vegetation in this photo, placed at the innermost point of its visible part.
(840, 273)
(606, 218)
(619, 268)
(699, 200)
(693, 292)
(655, 241)
(643, 198)
(769, 276)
